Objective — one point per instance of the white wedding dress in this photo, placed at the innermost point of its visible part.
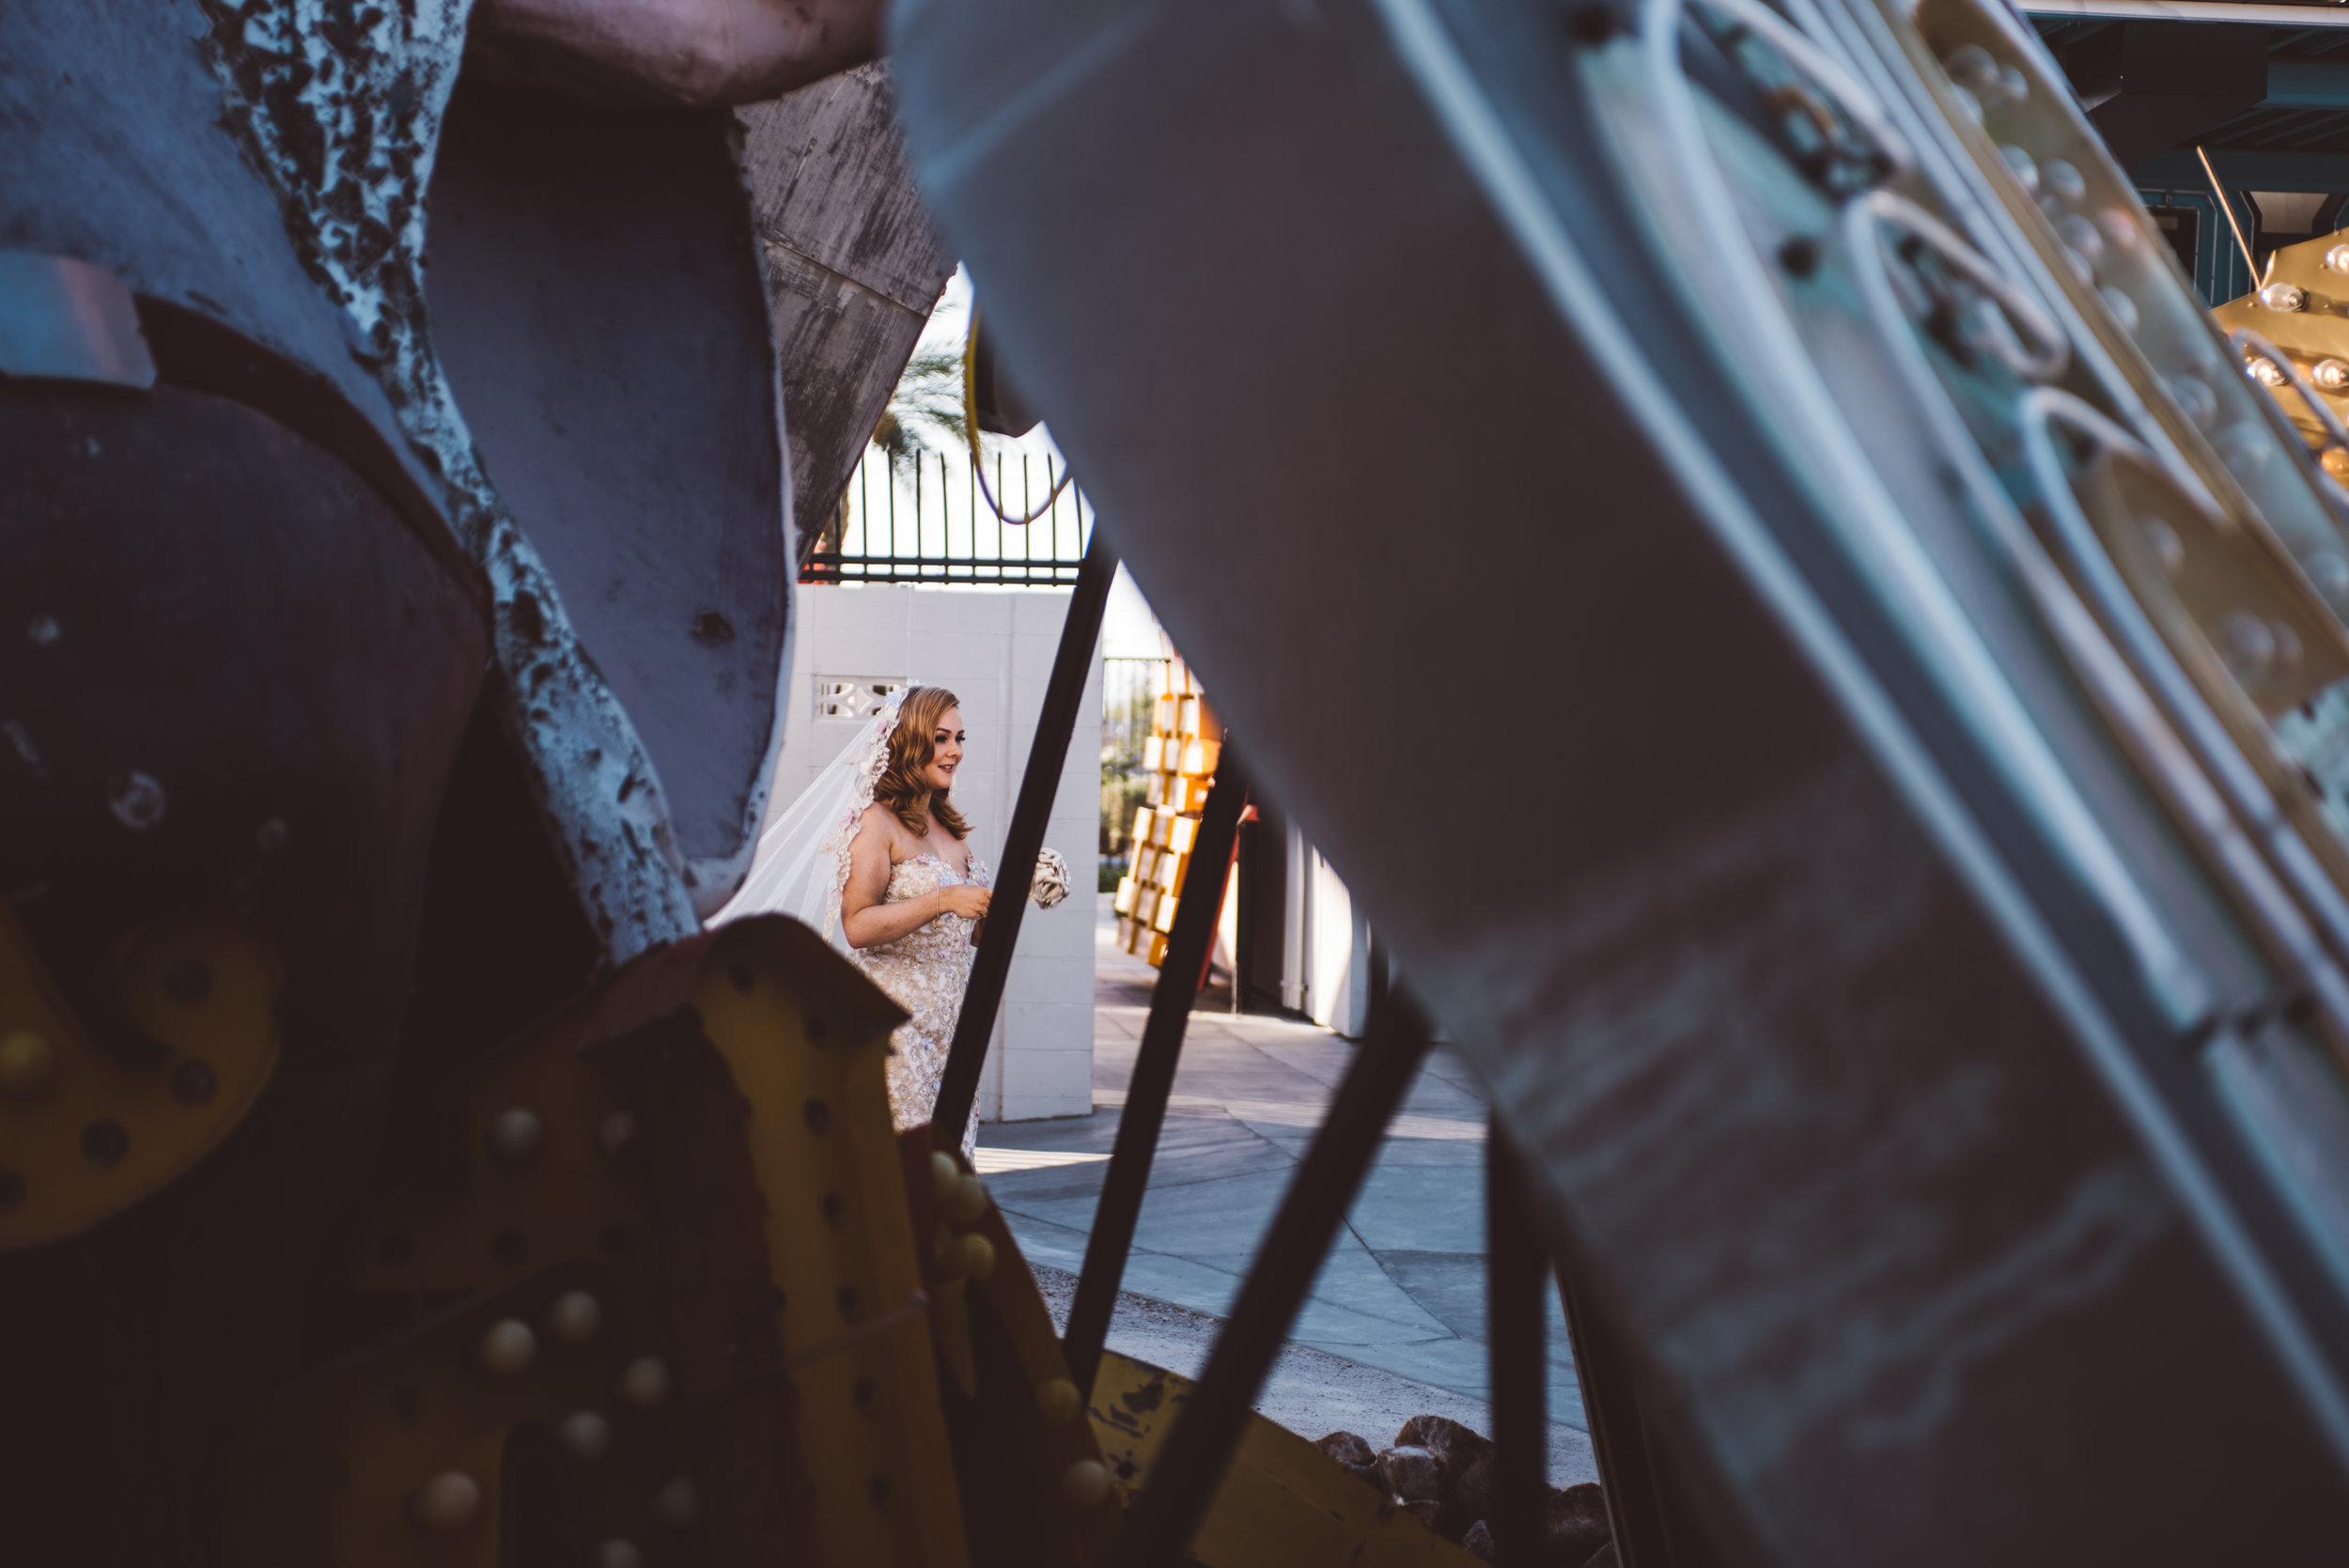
(802, 865)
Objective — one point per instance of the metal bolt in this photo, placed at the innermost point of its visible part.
(193, 1082)
(104, 1143)
(188, 981)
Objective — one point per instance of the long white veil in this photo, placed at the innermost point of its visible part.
(802, 860)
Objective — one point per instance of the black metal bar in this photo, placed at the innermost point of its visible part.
(959, 1085)
(1192, 1466)
(1129, 1174)
(1638, 1511)
(1515, 1262)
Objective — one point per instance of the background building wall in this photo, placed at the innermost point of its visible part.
(994, 649)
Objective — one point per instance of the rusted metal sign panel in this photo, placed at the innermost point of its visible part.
(852, 270)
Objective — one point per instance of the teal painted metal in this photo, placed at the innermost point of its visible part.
(2219, 272)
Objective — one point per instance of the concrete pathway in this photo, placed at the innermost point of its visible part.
(1403, 1287)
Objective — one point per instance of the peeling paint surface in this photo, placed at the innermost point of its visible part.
(340, 104)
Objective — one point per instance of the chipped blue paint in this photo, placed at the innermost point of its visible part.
(340, 104)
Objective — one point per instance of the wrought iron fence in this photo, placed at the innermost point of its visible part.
(924, 520)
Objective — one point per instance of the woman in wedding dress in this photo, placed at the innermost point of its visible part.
(915, 894)
(873, 855)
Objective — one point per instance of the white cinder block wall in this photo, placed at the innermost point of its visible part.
(993, 648)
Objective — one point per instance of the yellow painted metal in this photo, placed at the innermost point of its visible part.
(1011, 1290)
(432, 1406)
(2189, 379)
(85, 1133)
(1282, 1501)
(855, 1322)
(2315, 335)
(576, 1197)
(840, 1237)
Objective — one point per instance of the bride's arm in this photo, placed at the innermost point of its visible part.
(865, 919)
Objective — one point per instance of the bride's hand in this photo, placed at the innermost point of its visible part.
(970, 903)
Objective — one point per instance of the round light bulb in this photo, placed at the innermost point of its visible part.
(1971, 66)
(2283, 296)
(968, 1202)
(509, 1347)
(945, 1175)
(2330, 375)
(586, 1436)
(618, 1131)
(2060, 182)
(574, 1317)
(2019, 165)
(974, 1256)
(2266, 372)
(2163, 544)
(678, 1505)
(2123, 309)
(2193, 397)
(448, 1503)
(2247, 644)
(28, 1064)
(2337, 259)
(1057, 1401)
(1085, 1485)
(516, 1136)
(645, 1382)
(2081, 235)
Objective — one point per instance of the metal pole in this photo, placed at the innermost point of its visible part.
(1516, 1267)
(2226, 207)
(1199, 1450)
(991, 966)
(1128, 1175)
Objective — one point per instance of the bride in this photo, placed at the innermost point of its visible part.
(874, 856)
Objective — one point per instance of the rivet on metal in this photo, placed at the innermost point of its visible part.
(104, 1142)
(188, 981)
(193, 1082)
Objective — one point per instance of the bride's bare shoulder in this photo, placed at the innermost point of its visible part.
(883, 823)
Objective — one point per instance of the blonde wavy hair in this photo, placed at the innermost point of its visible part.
(910, 750)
